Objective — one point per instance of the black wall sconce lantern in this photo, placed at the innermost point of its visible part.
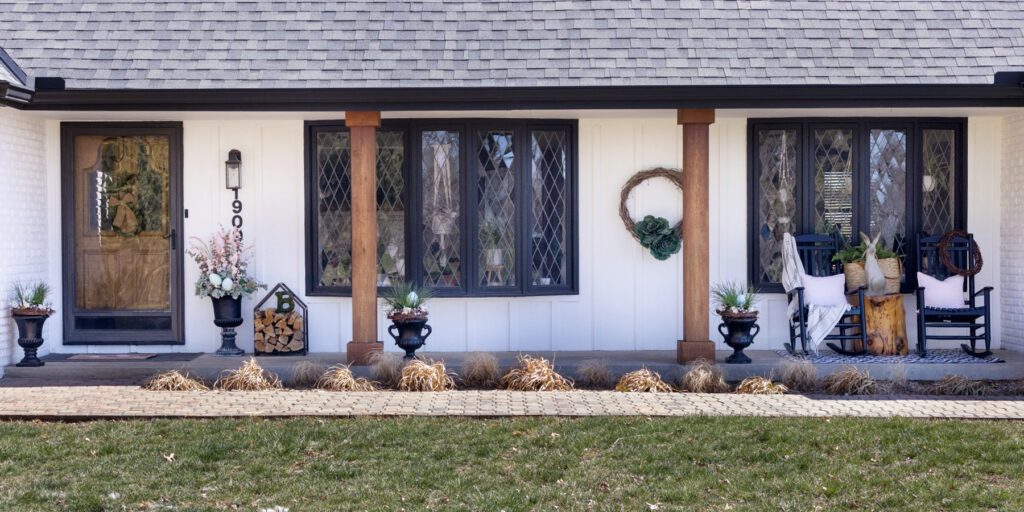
(233, 181)
(233, 170)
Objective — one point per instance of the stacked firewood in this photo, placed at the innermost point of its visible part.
(278, 332)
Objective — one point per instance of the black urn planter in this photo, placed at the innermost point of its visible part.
(736, 331)
(410, 335)
(30, 337)
(227, 314)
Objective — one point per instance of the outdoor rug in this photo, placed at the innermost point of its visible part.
(935, 356)
(176, 356)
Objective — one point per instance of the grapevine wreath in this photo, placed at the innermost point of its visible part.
(947, 260)
(652, 232)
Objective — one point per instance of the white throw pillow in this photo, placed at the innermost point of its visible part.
(824, 291)
(947, 294)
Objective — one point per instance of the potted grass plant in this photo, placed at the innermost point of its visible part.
(30, 311)
(735, 303)
(407, 309)
(224, 278)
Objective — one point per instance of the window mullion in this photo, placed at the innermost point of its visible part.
(524, 209)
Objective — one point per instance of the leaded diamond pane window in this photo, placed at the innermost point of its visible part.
(833, 181)
(888, 191)
(777, 186)
(549, 174)
(390, 207)
(442, 211)
(938, 186)
(465, 207)
(892, 178)
(496, 208)
(334, 208)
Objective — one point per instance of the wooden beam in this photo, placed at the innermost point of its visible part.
(362, 119)
(696, 287)
(363, 132)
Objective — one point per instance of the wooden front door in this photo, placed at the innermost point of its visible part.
(121, 224)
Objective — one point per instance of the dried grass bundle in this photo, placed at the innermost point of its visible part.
(757, 385)
(593, 373)
(481, 370)
(304, 374)
(340, 378)
(643, 381)
(421, 375)
(534, 374)
(704, 377)
(248, 377)
(174, 381)
(386, 367)
(799, 376)
(960, 386)
(851, 381)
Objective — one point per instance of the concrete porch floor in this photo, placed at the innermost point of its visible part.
(207, 366)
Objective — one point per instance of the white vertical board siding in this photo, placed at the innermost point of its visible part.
(23, 241)
(1011, 290)
(627, 300)
(984, 164)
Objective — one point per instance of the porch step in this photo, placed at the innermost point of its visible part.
(207, 366)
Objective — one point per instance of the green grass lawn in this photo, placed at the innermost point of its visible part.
(513, 464)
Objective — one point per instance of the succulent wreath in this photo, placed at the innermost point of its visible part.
(652, 232)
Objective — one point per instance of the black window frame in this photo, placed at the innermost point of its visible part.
(469, 249)
(862, 127)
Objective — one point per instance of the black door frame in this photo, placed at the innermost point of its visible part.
(73, 336)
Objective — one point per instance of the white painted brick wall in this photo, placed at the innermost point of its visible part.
(1012, 236)
(23, 254)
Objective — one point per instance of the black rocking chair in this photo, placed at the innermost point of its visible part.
(816, 252)
(974, 316)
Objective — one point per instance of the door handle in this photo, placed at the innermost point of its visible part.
(172, 236)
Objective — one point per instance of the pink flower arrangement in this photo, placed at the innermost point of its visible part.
(223, 265)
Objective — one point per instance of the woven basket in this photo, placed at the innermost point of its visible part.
(892, 268)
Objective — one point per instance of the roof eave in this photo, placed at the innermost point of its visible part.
(531, 98)
(15, 95)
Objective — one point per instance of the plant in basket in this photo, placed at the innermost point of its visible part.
(735, 303)
(854, 258)
(407, 309)
(224, 277)
(30, 310)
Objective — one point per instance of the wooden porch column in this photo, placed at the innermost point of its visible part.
(696, 290)
(363, 128)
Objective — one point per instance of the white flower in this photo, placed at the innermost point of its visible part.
(215, 280)
(412, 298)
(227, 284)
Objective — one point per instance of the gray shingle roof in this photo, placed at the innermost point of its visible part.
(379, 43)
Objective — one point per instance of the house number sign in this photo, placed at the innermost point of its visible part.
(236, 209)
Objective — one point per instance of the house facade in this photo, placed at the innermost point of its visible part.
(484, 154)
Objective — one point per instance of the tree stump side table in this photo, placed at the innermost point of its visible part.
(886, 321)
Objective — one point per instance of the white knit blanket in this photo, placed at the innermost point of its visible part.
(821, 320)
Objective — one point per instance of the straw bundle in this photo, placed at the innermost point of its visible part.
(248, 377)
(174, 381)
(704, 377)
(643, 381)
(340, 378)
(534, 374)
(420, 375)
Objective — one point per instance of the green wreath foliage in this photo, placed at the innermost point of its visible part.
(656, 234)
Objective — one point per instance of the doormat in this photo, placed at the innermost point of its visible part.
(110, 357)
(935, 356)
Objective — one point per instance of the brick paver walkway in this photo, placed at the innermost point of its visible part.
(56, 402)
